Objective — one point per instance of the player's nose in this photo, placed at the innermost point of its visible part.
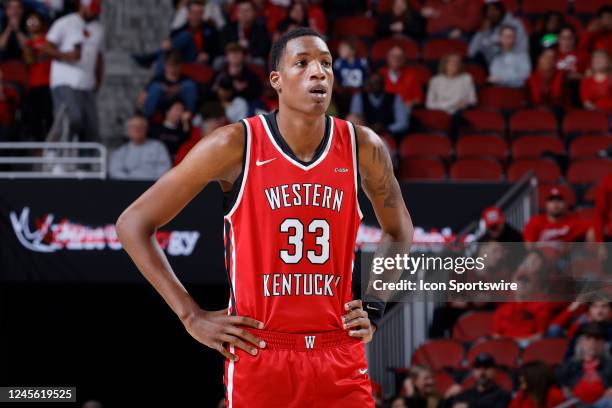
(317, 71)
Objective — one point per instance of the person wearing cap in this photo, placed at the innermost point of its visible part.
(75, 44)
(495, 228)
(588, 375)
(557, 224)
(485, 393)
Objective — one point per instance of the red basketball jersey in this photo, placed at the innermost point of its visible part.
(290, 233)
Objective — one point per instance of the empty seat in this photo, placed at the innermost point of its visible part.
(545, 170)
(428, 120)
(550, 351)
(476, 169)
(478, 73)
(501, 98)
(381, 47)
(544, 188)
(472, 326)
(485, 121)
(481, 146)
(585, 121)
(439, 354)
(355, 26)
(200, 73)
(426, 145)
(532, 147)
(587, 171)
(588, 146)
(437, 48)
(422, 168)
(502, 378)
(504, 351)
(532, 121)
(589, 6)
(544, 6)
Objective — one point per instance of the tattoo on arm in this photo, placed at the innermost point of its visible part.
(386, 185)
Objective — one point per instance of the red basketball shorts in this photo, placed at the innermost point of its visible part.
(318, 370)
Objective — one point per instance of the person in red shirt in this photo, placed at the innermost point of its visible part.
(212, 117)
(537, 388)
(603, 207)
(9, 99)
(599, 33)
(399, 79)
(596, 88)
(571, 60)
(546, 82)
(557, 224)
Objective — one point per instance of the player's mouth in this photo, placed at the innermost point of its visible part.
(318, 92)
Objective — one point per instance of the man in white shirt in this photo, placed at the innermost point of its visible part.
(75, 44)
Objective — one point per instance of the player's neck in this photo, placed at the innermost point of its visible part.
(303, 134)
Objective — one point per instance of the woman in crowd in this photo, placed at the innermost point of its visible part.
(537, 388)
(596, 87)
(452, 89)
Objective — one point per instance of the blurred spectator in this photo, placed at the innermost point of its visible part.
(545, 83)
(522, 321)
(537, 387)
(598, 35)
(452, 18)
(568, 322)
(452, 89)
(75, 44)
(350, 71)
(38, 108)
(596, 87)
(236, 107)
(603, 206)
(170, 85)
(173, 131)
(297, 16)
(246, 83)
(486, 42)
(211, 13)
(398, 402)
(547, 36)
(557, 224)
(9, 101)
(496, 228)
(379, 109)
(248, 32)
(485, 393)
(399, 79)
(446, 315)
(316, 16)
(420, 388)
(570, 59)
(140, 158)
(403, 19)
(598, 311)
(13, 37)
(511, 67)
(588, 375)
(212, 116)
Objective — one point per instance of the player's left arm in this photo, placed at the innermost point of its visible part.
(383, 191)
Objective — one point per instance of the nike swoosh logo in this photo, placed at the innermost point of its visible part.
(261, 163)
(363, 370)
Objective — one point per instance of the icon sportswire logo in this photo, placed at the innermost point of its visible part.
(50, 236)
(262, 162)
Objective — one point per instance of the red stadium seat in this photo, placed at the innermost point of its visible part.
(590, 194)
(589, 6)
(200, 73)
(574, 22)
(543, 189)
(485, 121)
(422, 72)
(502, 378)
(443, 381)
(481, 146)
(544, 6)
(15, 71)
(501, 98)
(422, 168)
(532, 147)
(472, 326)
(481, 169)
(478, 73)
(585, 121)
(589, 146)
(511, 5)
(429, 120)
(259, 71)
(381, 47)
(504, 351)
(550, 351)
(356, 26)
(439, 354)
(437, 48)
(426, 145)
(588, 171)
(532, 121)
(545, 170)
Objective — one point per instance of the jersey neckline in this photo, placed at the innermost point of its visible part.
(271, 127)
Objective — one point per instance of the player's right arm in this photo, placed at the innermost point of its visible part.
(217, 157)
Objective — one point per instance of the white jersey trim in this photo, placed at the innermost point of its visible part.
(355, 166)
(247, 164)
(290, 159)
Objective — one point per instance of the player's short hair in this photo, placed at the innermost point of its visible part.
(278, 48)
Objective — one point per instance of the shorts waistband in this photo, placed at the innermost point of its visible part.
(304, 341)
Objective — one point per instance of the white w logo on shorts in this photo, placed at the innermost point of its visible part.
(309, 341)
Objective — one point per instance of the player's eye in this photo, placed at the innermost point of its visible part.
(326, 64)
(301, 63)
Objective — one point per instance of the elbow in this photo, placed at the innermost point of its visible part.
(121, 226)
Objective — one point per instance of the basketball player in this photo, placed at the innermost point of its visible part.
(292, 335)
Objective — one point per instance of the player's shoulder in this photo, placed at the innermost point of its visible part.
(228, 137)
(367, 139)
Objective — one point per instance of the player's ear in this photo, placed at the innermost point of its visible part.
(275, 81)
